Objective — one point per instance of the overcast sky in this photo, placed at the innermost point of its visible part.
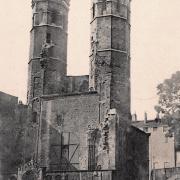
(155, 42)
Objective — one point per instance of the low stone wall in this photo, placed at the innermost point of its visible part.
(166, 173)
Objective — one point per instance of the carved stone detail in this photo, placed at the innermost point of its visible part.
(45, 53)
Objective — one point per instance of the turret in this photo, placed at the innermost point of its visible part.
(110, 55)
(48, 48)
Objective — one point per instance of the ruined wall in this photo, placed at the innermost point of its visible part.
(12, 134)
(64, 125)
(106, 142)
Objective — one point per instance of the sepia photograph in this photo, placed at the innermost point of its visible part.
(90, 90)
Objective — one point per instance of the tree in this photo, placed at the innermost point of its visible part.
(169, 103)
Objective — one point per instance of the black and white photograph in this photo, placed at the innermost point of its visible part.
(90, 90)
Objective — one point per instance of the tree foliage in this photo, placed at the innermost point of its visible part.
(169, 97)
(169, 102)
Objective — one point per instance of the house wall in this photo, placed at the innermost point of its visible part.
(161, 146)
(162, 151)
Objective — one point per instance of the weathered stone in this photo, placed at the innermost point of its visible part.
(78, 125)
(79, 111)
(110, 58)
(48, 40)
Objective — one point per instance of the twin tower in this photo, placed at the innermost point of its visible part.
(109, 55)
(81, 124)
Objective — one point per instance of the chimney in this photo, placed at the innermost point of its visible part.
(145, 117)
(134, 117)
(157, 116)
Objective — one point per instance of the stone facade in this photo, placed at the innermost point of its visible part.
(73, 138)
(64, 124)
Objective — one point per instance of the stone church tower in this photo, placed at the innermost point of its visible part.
(110, 55)
(81, 124)
(48, 48)
(47, 67)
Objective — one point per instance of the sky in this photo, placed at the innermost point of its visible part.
(155, 42)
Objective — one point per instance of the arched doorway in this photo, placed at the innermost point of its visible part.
(13, 177)
(29, 175)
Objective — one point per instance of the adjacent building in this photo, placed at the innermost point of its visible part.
(163, 147)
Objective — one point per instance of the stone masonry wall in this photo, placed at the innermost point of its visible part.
(110, 55)
(106, 142)
(65, 122)
(48, 48)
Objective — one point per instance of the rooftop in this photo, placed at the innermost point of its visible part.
(149, 123)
